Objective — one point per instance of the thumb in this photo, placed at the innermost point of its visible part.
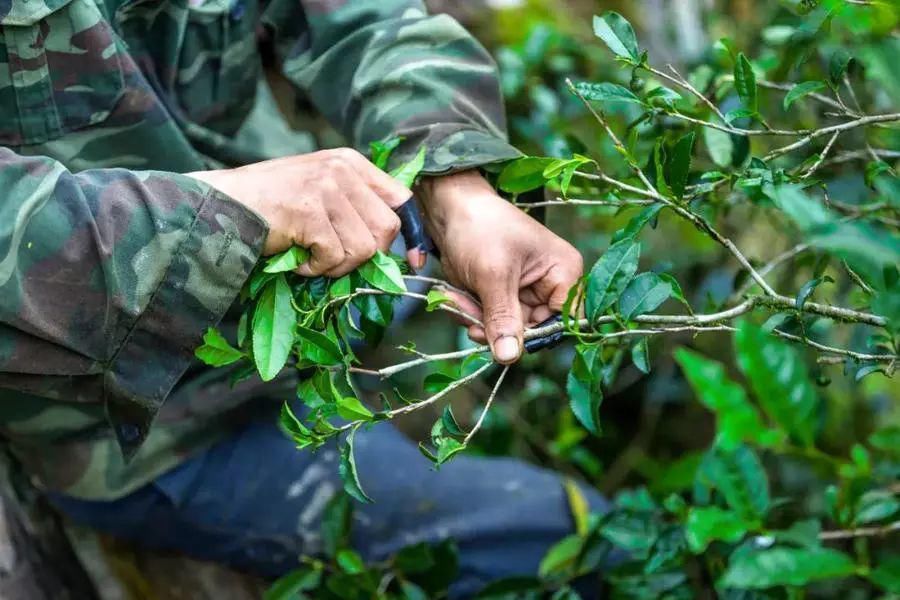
(503, 319)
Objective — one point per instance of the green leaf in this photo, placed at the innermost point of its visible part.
(706, 524)
(512, 588)
(606, 92)
(801, 90)
(801, 533)
(337, 523)
(745, 83)
(779, 379)
(561, 557)
(524, 174)
(350, 562)
(659, 163)
(610, 276)
(583, 387)
(412, 592)
(887, 574)
(640, 355)
(738, 474)
(447, 448)
(838, 65)
(407, 172)
(808, 288)
(785, 566)
(635, 532)
(350, 408)
(618, 34)
(739, 113)
(637, 223)
(737, 419)
(679, 164)
(662, 97)
(417, 558)
(434, 299)
(676, 290)
(294, 428)
(288, 587)
(347, 469)
(382, 272)
(288, 260)
(644, 294)
(719, 145)
(274, 323)
(318, 347)
(381, 151)
(216, 351)
(876, 505)
(436, 382)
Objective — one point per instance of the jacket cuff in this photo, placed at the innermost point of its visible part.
(452, 148)
(205, 275)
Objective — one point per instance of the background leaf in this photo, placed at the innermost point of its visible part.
(347, 469)
(610, 276)
(785, 566)
(644, 294)
(745, 83)
(617, 33)
(779, 379)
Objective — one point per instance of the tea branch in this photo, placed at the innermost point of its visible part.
(487, 406)
(697, 221)
(844, 534)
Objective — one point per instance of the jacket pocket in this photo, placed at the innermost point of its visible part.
(60, 69)
(219, 64)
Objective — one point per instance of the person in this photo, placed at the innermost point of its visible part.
(145, 169)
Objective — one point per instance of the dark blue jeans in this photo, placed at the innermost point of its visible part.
(254, 502)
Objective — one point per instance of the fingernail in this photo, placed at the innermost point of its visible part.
(506, 349)
(423, 258)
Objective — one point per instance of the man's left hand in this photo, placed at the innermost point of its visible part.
(519, 270)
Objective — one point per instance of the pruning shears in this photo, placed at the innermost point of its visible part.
(412, 228)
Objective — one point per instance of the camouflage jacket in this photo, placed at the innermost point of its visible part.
(112, 263)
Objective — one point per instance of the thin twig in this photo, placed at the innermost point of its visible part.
(846, 126)
(844, 534)
(487, 406)
(822, 156)
(585, 202)
(428, 401)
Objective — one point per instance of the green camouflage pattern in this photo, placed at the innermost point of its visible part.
(113, 263)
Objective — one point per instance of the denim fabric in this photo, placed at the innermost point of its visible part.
(254, 502)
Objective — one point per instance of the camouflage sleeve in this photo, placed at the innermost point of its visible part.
(382, 68)
(108, 279)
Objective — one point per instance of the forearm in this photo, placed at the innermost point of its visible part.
(382, 69)
(108, 279)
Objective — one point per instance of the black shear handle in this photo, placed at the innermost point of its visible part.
(412, 228)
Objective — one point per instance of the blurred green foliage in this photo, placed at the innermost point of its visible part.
(745, 462)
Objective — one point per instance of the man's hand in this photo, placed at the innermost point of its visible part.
(335, 203)
(520, 270)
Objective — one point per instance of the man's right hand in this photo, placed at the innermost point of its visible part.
(335, 203)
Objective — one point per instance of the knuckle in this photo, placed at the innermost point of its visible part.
(386, 231)
(367, 249)
(337, 165)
